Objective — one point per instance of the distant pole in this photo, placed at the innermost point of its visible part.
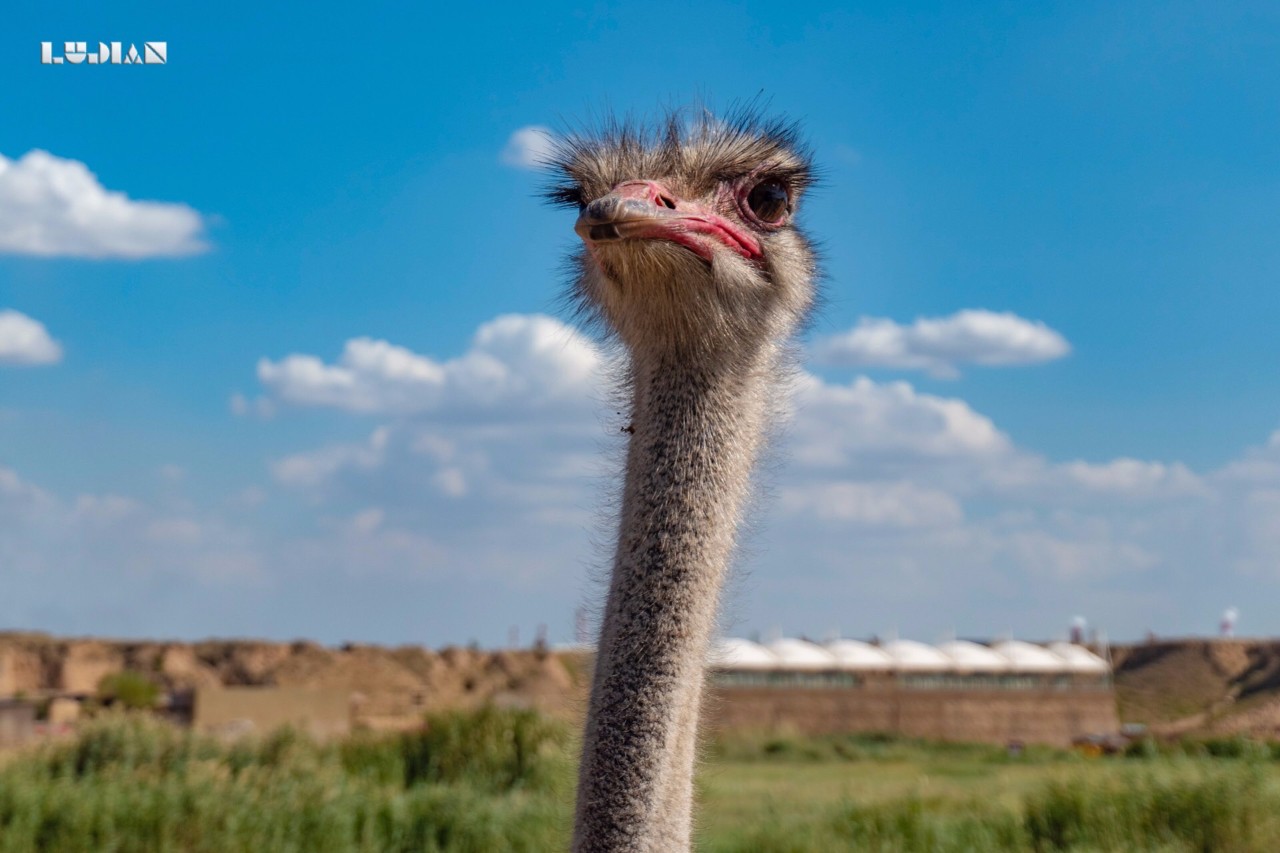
(513, 637)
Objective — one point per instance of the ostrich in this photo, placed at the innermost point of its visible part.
(693, 262)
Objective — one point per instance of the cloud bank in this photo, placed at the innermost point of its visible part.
(482, 491)
(940, 345)
(55, 207)
(522, 361)
(881, 493)
(529, 147)
(26, 342)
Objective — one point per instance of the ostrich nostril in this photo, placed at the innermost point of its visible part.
(666, 201)
(602, 209)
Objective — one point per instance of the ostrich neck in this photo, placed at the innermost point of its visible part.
(697, 430)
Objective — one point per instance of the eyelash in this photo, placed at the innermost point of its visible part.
(568, 196)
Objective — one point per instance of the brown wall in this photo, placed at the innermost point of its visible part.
(1045, 716)
(323, 711)
(17, 723)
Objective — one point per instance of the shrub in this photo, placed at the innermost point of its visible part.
(130, 782)
(1235, 746)
(495, 749)
(1230, 810)
(129, 689)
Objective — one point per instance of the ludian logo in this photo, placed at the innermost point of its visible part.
(106, 53)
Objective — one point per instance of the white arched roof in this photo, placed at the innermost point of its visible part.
(855, 654)
(800, 654)
(971, 657)
(1026, 657)
(1079, 659)
(908, 654)
(735, 653)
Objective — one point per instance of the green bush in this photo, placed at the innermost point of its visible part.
(1143, 747)
(130, 782)
(1234, 746)
(1208, 811)
(493, 749)
(129, 689)
(117, 742)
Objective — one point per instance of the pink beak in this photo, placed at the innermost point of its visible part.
(646, 210)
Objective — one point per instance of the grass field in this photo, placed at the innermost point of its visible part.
(892, 795)
(502, 780)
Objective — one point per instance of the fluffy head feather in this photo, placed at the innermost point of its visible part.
(718, 277)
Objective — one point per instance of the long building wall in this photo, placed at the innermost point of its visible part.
(320, 711)
(1038, 715)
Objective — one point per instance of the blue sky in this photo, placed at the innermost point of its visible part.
(1059, 225)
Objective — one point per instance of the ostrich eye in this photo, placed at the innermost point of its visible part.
(769, 201)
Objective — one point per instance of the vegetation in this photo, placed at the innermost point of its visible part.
(498, 780)
(482, 782)
(129, 689)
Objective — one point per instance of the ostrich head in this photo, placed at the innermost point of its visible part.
(690, 239)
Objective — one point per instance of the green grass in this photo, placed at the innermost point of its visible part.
(483, 782)
(499, 780)
(771, 795)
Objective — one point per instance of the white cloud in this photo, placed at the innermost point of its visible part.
(54, 207)
(451, 481)
(16, 493)
(1258, 465)
(104, 509)
(24, 341)
(171, 473)
(111, 542)
(250, 497)
(1076, 557)
(881, 424)
(316, 467)
(260, 407)
(514, 361)
(529, 147)
(364, 544)
(369, 520)
(1258, 525)
(175, 531)
(875, 504)
(1135, 477)
(939, 345)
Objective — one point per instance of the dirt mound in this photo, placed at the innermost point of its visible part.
(1174, 686)
(242, 663)
(1184, 686)
(389, 686)
(182, 669)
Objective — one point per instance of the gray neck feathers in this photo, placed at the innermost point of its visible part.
(698, 425)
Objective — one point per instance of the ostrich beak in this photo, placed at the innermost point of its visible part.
(646, 210)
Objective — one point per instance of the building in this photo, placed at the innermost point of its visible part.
(318, 711)
(17, 722)
(1009, 691)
